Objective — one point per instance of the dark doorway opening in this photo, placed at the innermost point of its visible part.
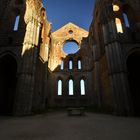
(8, 80)
(133, 67)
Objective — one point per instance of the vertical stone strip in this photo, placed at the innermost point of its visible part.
(117, 72)
(117, 76)
(26, 79)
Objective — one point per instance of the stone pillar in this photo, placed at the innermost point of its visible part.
(30, 48)
(118, 79)
(97, 84)
(117, 71)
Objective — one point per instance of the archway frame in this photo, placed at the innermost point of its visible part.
(12, 98)
(131, 53)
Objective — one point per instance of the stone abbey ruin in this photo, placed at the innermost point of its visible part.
(36, 74)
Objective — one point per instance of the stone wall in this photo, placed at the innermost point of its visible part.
(110, 52)
(68, 33)
(104, 52)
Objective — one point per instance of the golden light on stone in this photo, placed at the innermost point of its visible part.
(119, 25)
(116, 8)
(68, 33)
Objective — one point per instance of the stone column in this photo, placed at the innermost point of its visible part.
(117, 74)
(97, 84)
(30, 48)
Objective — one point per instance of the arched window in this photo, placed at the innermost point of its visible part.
(116, 8)
(79, 65)
(62, 65)
(70, 64)
(82, 87)
(126, 21)
(16, 23)
(59, 88)
(71, 91)
(118, 25)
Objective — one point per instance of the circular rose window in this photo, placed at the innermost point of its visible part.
(70, 47)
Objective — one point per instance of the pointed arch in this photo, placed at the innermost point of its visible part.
(70, 64)
(71, 87)
(8, 83)
(79, 64)
(133, 71)
(82, 87)
(59, 87)
(62, 65)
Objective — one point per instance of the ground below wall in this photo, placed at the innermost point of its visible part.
(58, 125)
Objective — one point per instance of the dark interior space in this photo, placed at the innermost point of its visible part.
(133, 67)
(8, 70)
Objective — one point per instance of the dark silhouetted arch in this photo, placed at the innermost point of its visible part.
(8, 70)
(133, 67)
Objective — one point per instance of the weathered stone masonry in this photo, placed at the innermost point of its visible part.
(31, 57)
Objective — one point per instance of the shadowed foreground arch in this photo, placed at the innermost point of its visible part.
(8, 70)
(133, 68)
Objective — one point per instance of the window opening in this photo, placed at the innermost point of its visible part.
(16, 23)
(79, 65)
(59, 88)
(71, 87)
(119, 25)
(82, 87)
